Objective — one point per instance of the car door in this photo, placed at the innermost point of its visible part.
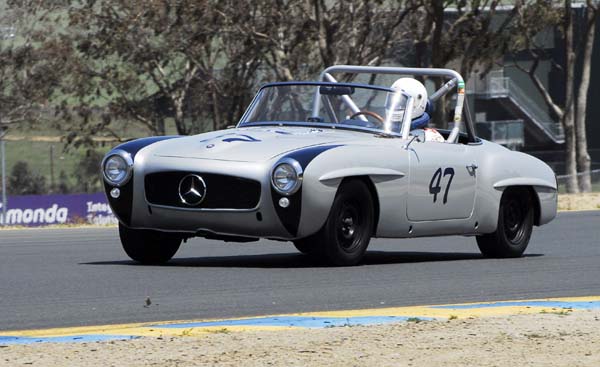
(442, 181)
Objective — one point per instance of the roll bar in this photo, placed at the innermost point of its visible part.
(456, 80)
(387, 124)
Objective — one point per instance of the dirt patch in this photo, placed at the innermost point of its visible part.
(588, 201)
(564, 339)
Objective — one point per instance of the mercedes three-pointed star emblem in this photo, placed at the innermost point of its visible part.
(192, 190)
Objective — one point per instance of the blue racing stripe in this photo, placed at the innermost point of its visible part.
(551, 304)
(296, 321)
(12, 340)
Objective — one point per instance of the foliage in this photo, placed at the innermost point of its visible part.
(88, 172)
(324, 33)
(63, 183)
(23, 181)
(98, 65)
(571, 109)
(470, 36)
(31, 66)
(155, 61)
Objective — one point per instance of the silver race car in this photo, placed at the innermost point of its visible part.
(329, 165)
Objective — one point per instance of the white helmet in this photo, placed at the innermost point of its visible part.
(416, 90)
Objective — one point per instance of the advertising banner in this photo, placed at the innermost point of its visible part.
(43, 210)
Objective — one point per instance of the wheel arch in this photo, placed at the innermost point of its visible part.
(372, 190)
(530, 190)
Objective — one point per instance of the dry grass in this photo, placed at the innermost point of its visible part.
(588, 201)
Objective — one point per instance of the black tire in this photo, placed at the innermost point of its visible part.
(148, 247)
(515, 224)
(344, 238)
(306, 245)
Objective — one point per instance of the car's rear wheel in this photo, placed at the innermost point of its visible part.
(515, 225)
(344, 238)
(147, 246)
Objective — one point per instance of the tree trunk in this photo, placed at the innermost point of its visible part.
(327, 55)
(583, 157)
(437, 61)
(568, 119)
(570, 156)
(216, 113)
(159, 124)
(179, 117)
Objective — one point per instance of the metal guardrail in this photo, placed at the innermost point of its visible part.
(504, 87)
(561, 180)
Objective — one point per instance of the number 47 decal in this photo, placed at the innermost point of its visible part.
(434, 185)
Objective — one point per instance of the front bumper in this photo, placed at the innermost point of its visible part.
(263, 220)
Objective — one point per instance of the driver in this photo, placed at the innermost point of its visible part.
(420, 118)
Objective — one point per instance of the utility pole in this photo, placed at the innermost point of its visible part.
(6, 33)
(52, 169)
(3, 152)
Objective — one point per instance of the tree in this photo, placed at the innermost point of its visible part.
(30, 66)
(583, 156)
(571, 115)
(63, 183)
(325, 33)
(152, 61)
(468, 36)
(196, 63)
(23, 181)
(87, 172)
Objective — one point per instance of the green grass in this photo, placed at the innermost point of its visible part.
(65, 158)
(124, 128)
(37, 155)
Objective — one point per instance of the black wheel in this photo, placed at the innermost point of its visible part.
(306, 245)
(515, 224)
(148, 247)
(344, 238)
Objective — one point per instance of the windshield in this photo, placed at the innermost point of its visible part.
(344, 105)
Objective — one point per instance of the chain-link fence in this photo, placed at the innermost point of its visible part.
(595, 175)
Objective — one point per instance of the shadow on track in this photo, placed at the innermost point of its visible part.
(296, 260)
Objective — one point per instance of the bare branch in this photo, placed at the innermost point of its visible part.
(543, 91)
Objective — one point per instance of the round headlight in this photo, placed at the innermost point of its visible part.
(287, 177)
(117, 168)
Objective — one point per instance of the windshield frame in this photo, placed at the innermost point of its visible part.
(386, 131)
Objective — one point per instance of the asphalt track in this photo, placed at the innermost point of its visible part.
(75, 277)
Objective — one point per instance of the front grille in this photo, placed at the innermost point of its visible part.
(222, 191)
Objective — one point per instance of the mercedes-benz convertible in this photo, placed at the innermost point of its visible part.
(328, 166)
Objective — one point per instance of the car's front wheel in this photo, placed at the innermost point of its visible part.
(515, 224)
(147, 246)
(344, 238)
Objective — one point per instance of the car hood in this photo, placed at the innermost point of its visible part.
(250, 144)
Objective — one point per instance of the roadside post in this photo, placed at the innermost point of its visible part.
(6, 33)
(3, 152)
